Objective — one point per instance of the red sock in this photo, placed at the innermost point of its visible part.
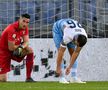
(29, 64)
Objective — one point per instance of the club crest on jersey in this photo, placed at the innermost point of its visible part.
(14, 35)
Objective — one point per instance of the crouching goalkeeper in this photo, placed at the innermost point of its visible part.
(12, 48)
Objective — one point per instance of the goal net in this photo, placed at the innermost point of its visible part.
(92, 14)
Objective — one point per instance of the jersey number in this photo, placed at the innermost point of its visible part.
(73, 25)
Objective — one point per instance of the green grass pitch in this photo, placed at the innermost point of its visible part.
(52, 86)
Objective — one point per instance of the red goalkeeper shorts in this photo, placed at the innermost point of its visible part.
(5, 61)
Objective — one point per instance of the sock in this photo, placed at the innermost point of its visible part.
(29, 64)
(74, 69)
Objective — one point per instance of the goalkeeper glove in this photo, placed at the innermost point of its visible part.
(18, 51)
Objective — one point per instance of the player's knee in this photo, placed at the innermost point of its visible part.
(3, 78)
(29, 50)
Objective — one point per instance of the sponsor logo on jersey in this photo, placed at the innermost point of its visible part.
(77, 30)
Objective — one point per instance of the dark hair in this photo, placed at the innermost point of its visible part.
(81, 40)
(26, 15)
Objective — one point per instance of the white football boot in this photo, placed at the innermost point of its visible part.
(63, 80)
(76, 80)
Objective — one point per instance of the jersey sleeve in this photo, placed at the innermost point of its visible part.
(26, 32)
(11, 34)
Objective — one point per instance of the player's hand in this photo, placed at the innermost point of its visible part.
(67, 71)
(18, 51)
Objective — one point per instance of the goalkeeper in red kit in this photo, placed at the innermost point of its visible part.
(14, 45)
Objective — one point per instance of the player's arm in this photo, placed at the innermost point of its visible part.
(60, 55)
(61, 51)
(17, 49)
(25, 41)
(74, 56)
(12, 46)
(73, 59)
(11, 38)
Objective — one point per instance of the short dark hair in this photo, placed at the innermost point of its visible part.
(26, 15)
(81, 40)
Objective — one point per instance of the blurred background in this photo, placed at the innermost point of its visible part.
(92, 14)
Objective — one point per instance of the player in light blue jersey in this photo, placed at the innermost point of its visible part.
(68, 33)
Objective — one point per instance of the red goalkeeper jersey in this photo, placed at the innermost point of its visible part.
(12, 33)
